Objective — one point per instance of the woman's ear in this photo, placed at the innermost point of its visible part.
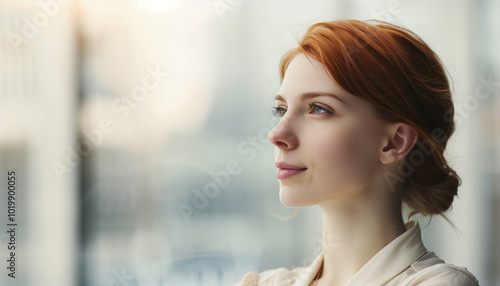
(398, 143)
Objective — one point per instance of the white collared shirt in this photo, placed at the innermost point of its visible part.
(404, 262)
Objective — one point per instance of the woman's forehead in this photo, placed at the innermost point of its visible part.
(305, 75)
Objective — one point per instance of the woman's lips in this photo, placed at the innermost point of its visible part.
(287, 173)
(286, 170)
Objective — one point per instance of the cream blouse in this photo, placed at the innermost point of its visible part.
(403, 262)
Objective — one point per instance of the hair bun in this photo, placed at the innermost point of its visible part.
(431, 191)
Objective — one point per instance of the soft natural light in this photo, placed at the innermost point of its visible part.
(158, 5)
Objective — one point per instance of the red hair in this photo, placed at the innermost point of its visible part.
(404, 79)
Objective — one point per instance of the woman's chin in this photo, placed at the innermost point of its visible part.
(293, 200)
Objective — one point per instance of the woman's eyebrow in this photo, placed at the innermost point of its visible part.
(309, 95)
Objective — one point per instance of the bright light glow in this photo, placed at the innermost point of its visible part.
(158, 5)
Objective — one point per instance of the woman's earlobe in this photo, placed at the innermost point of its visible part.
(388, 156)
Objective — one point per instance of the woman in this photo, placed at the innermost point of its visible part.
(366, 112)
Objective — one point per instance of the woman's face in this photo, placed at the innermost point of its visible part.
(332, 141)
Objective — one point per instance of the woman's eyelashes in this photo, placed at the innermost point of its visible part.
(279, 111)
(314, 109)
(318, 109)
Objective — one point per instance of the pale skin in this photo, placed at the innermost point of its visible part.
(345, 149)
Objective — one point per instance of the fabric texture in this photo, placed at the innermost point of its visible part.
(403, 262)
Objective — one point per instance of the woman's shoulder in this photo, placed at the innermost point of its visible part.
(275, 277)
(431, 270)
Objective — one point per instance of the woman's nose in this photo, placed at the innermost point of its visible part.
(283, 135)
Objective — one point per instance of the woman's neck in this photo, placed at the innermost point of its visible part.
(354, 232)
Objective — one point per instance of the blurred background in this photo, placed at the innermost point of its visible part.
(138, 133)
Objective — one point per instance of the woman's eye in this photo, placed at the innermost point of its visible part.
(318, 109)
(279, 111)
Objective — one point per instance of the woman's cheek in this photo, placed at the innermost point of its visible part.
(345, 153)
(363, 150)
